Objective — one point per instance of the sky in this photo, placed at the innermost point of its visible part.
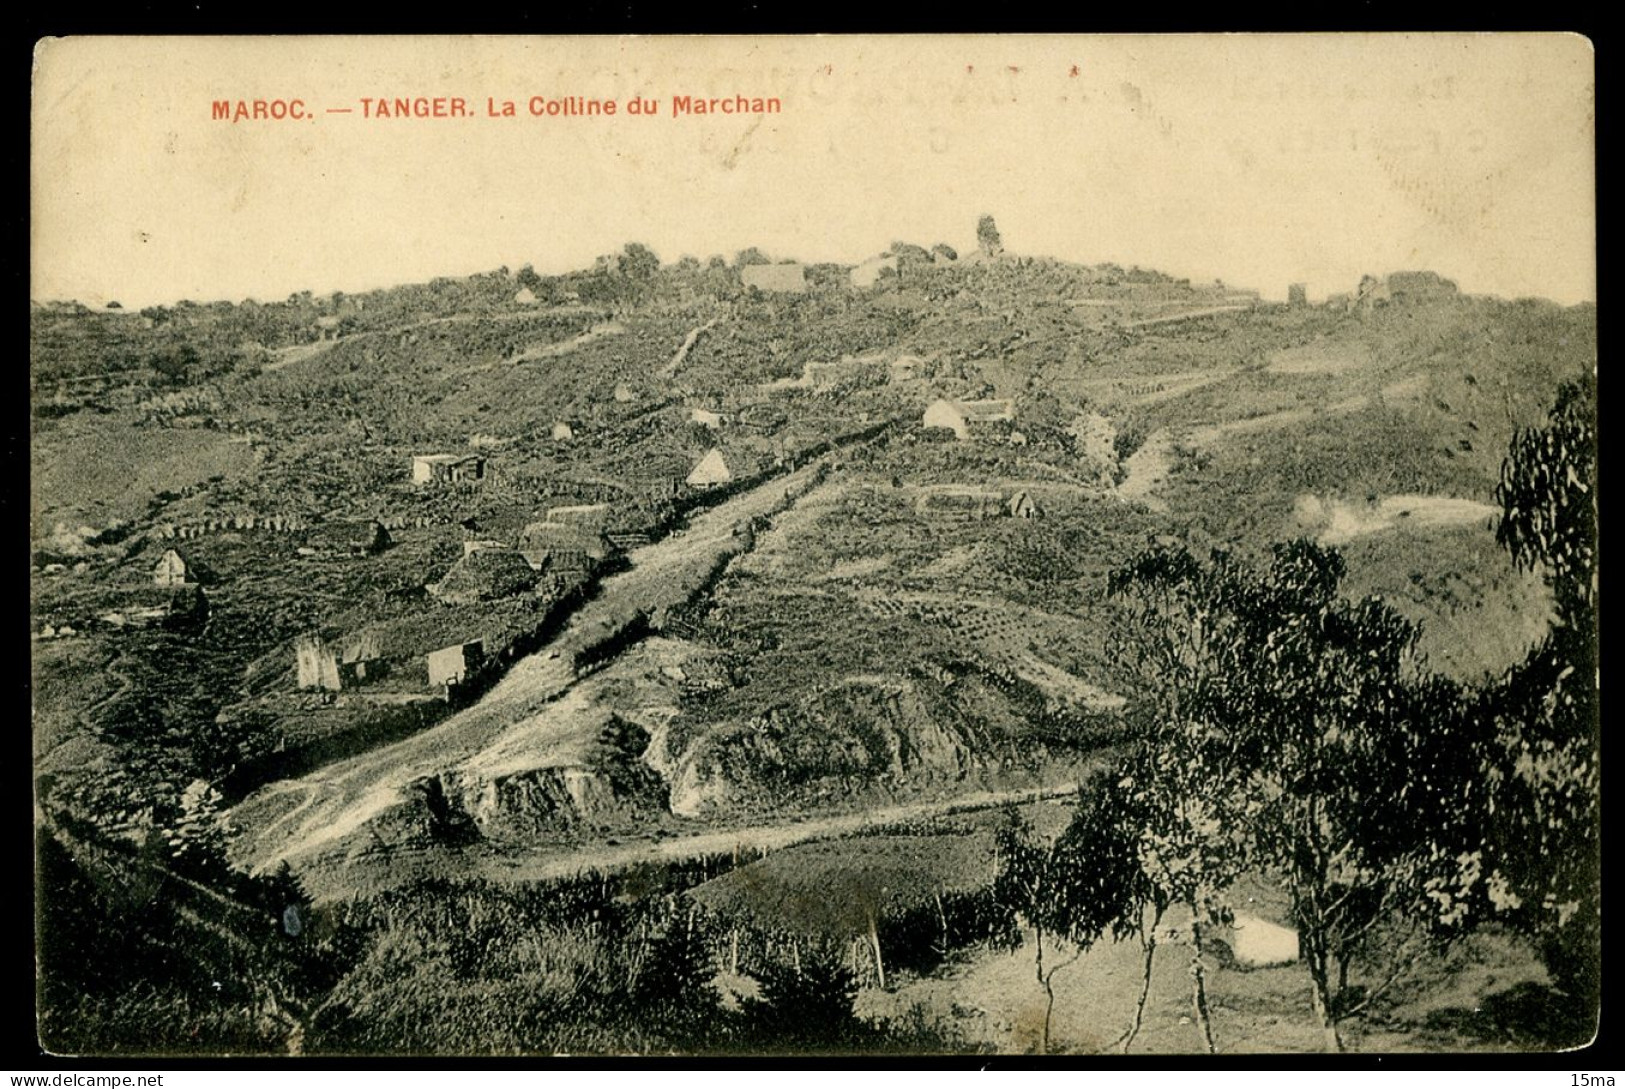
(1260, 160)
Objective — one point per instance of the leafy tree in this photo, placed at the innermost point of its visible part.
(1295, 733)
(1545, 868)
(1084, 886)
(638, 262)
(1185, 784)
(1030, 883)
(1355, 796)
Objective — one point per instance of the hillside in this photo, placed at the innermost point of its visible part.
(856, 613)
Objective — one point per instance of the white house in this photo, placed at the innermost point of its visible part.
(454, 664)
(450, 468)
(172, 570)
(962, 417)
(789, 277)
(711, 471)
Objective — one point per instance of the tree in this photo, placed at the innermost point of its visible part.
(806, 1005)
(1029, 883)
(1363, 774)
(1086, 885)
(638, 262)
(1184, 784)
(1546, 862)
(1294, 732)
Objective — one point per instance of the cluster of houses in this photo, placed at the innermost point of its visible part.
(570, 542)
(320, 665)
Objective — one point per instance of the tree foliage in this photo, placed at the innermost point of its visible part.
(1295, 733)
(1546, 785)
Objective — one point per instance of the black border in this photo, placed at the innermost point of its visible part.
(19, 1049)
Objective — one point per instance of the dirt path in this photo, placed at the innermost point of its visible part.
(290, 354)
(371, 874)
(1148, 468)
(1189, 315)
(769, 837)
(687, 346)
(565, 347)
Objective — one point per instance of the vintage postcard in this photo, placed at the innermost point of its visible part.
(821, 546)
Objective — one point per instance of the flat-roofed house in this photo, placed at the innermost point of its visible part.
(964, 418)
(317, 664)
(447, 468)
(782, 278)
(361, 660)
(454, 665)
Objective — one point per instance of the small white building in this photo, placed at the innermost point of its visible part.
(453, 665)
(317, 664)
(790, 278)
(172, 570)
(712, 471)
(447, 468)
(963, 417)
(1022, 505)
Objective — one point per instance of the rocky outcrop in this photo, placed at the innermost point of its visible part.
(861, 732)
(608, 788)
